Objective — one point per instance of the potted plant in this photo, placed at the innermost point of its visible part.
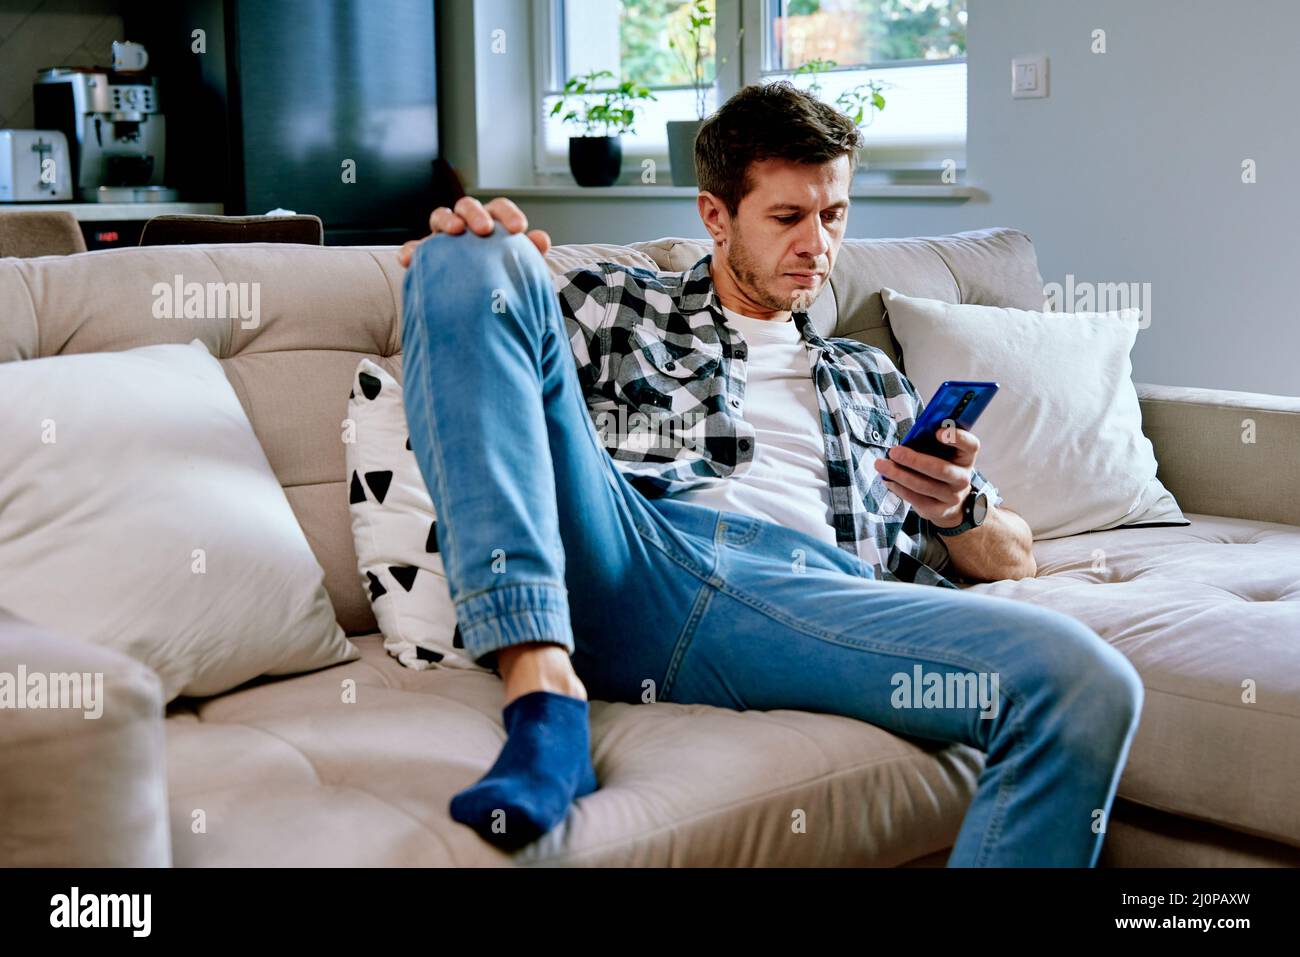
(813, 69)
(693, 54)
(597, 160)
(859, 103)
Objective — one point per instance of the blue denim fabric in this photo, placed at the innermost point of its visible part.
(664, 600)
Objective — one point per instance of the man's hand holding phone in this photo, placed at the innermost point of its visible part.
(935, 487)
(470, 214)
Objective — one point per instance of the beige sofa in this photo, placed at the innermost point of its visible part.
(286, 776)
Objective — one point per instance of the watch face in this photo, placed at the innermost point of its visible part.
(979, 509)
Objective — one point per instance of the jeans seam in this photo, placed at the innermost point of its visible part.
(998, 816)
(703, 598)
(839, 639)
(430, 426)
(750, 527)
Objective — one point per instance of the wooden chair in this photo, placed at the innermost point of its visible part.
(183, 230)
(28, 233)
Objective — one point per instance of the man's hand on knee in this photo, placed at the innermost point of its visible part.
(470, 214)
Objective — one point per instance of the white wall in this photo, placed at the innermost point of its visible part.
(1129, 172)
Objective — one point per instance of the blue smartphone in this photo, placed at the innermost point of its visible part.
(962, 402)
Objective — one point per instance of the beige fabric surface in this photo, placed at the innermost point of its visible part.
(79, 792)
(288, 774)
(1142, 837)
(1198, 610)
(1200, 437)
(1194, 608)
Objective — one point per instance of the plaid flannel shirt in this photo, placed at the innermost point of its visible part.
(664, 380)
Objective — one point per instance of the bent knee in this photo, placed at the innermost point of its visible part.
(467, 257)
(1082, 666)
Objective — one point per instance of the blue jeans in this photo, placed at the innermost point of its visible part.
(662, 600)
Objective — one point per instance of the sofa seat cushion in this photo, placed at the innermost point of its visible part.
(284, 772)
(1209, 614)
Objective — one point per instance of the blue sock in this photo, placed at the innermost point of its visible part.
(544, 766)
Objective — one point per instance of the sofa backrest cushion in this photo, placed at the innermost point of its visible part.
(320, 309)
(987, 267)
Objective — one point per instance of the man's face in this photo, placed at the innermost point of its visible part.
(784, 238)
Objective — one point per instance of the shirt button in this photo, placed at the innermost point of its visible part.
(735, 403)
(744, 445)
(740, 354)
(875, 434)
(670, 366)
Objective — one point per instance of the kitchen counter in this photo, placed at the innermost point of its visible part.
(117, 212)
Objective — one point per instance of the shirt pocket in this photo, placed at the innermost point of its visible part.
(653, 369)
(873, 430)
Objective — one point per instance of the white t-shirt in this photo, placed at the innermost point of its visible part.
(786, 482)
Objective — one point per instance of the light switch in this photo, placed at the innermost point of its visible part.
(1029, 76)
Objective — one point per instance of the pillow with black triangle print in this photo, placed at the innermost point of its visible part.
(395, 529)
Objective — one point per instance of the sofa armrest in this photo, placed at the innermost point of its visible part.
(79, 791)
(1203, 442)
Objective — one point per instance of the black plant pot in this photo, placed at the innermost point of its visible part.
(595, 160)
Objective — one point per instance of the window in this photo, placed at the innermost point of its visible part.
(915, 50)
(629, 38)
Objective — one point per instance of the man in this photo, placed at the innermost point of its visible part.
(764, 543)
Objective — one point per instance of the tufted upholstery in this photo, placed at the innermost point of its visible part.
(285, 773)
(288, 776)
(1206, 613)
(1198, 609)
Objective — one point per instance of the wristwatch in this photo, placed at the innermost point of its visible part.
(975, 510)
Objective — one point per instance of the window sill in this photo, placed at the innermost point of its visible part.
(864, 191)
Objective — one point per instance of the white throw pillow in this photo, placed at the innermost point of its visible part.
(395, 529)
(1062, 439)
(138, 511)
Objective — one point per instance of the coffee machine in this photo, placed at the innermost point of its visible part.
(114, 127)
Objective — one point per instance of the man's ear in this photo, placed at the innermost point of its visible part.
(713, 213)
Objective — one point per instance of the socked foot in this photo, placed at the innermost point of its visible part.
(543, 768)
(545, 764)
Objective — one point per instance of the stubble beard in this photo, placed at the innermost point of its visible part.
(743, 268)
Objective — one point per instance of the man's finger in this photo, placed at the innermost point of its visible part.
(894, 472)
(931, 465)
(541, 239)
(507, 214)
(922, 503)
(407, 251)
(443, 220)
(476, 217)
(960, 439)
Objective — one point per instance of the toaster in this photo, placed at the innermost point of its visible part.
(34, 166)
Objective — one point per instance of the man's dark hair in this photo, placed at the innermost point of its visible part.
(768, 121)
